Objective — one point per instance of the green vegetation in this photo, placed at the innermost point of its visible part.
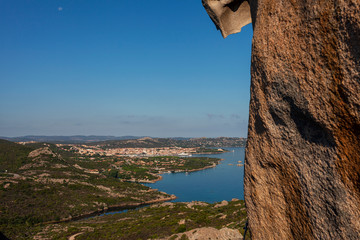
(147, 168)
(52, 185)
(43, 185)
(157, 221)
(171, 163)
(113, 173)
(210, 150)
(136, 172)
(12, 155)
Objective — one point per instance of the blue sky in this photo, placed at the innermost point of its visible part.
(120, 67)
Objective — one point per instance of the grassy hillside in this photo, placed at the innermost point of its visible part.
(41, 185)
(13, 155)
(159, 221)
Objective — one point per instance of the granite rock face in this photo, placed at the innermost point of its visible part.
(302, 172)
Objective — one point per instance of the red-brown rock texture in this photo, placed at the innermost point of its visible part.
(302, 172)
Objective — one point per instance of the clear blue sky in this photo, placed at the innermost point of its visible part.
(120, 67)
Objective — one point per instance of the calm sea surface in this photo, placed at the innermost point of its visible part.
(223, 182)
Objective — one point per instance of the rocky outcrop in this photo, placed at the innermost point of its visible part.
(41, 151)
(302, 171)
(207, 233)
(222, 204)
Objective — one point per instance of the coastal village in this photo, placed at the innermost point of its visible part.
(140, 164)
(89, 150)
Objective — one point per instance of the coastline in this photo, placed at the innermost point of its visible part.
(207, 167)
(210, 153)
(194, 170)
(159, 177)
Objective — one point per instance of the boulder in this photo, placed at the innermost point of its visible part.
(207, 233)
(223, 203)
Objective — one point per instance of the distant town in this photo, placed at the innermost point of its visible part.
(136, 152)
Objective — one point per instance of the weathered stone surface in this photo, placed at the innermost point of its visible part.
(207, 233)
(229, 16)
(302, 172)
(222, 204)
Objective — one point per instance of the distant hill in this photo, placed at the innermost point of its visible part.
(135, 141)
(67, 139)
(148, 142)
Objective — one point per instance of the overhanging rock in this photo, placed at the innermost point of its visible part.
(229, 16)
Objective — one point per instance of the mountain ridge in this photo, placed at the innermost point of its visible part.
(134, 141)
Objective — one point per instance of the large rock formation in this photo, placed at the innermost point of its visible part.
(302, 174)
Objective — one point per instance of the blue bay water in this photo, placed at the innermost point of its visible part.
(223, 182)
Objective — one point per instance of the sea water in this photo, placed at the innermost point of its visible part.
(223, 182)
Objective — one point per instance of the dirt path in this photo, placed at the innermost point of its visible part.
(75, 235)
